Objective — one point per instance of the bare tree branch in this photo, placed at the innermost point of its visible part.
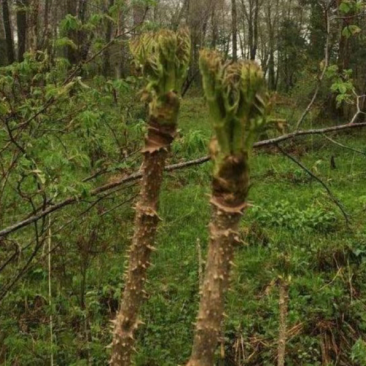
(29, 265)
(137, 175)
(318, 131)
(358, 111)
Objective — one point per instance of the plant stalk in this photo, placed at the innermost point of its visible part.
(282, 329)
(161, 131)
(230, 188)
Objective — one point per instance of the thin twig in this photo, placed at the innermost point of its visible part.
(282, 333)
(344, 146)
(28, 266)
(331, 195)
(358, 111)
(50, 286)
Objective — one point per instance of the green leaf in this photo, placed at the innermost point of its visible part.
(70, 23)
(63, 42)
(342, 88)
(345, 7)
(4, 109)
(351, 30)
(95, 19)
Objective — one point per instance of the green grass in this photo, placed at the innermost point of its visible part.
(292, 221)
(322, 261)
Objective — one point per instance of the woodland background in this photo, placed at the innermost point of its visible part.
(71, 127)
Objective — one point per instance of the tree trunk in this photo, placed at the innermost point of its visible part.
(121, 68)
(253, 51)
(3, 50)
(214, 27)
(108, 37)
(72, 54)
(46, 26)
(234, 18)
(139, 11)
(343, 45)
(271, 60)
(22, 27)
(232, 107)
(8, 32)
(34, 25)
(83, 41)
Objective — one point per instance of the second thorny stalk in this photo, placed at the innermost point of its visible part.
(237, 103)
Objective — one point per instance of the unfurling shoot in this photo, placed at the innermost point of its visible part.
(238, 107)
(164, 57)
(237, 99)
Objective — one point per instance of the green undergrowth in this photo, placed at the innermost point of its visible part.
(292, 230)
(291, 216)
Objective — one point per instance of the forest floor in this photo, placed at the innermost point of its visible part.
(292, 233)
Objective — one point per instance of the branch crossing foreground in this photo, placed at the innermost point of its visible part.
(137, 175)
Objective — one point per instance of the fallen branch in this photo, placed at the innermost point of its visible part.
(186, 164)
(319, 131)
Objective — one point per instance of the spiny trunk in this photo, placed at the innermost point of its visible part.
(161, 132)
(230, 187)
(236, 98)
(221, 251)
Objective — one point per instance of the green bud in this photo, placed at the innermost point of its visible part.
(164, 58)
(237, 101)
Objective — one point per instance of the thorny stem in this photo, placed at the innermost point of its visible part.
(164, 70)
(237, 111)
(219, 261)
(146, 222)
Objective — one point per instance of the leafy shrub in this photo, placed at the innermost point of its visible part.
(192, 143)
(283, 214)
(358, 352)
